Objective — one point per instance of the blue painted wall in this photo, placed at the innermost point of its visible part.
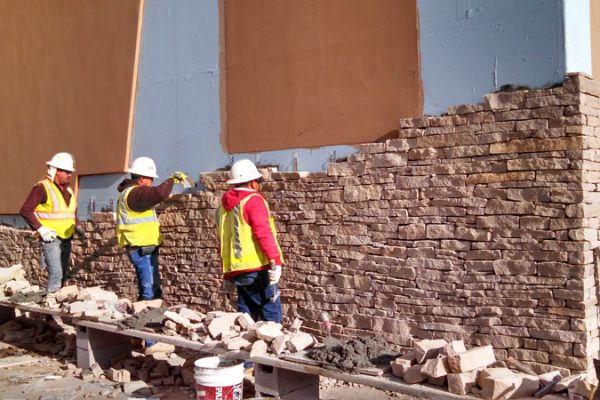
(473, 47)
(468, 48)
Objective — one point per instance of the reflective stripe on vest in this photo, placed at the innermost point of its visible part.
(239, 248)
(136, 228)
(54, 213)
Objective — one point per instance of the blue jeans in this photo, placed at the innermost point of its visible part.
(257, 297)
(146, 269)
(56, 259)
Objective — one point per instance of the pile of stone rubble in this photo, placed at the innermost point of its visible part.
(230, 330)
(477, 371)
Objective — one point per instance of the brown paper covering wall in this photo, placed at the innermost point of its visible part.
(315, 73)
(68, 74)
(595, 31)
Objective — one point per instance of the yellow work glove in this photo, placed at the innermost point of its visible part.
(179, 177)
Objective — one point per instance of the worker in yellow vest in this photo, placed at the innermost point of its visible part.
(251, 255)
(138, 229)
(51, 209)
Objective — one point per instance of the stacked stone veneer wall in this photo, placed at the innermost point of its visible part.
(478, 225)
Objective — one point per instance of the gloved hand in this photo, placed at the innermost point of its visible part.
(179, 177)
(275, 275)
(80, 232)
(47, 234)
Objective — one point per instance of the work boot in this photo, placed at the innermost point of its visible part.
(159, 348)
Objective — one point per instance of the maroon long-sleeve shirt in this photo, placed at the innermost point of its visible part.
(143, 198)
(36, 196)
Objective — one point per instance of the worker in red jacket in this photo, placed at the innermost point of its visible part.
(250, 252)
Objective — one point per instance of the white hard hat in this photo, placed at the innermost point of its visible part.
(62, 161)
(143, 166)
(243, 171)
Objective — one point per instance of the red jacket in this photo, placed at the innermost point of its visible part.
(257, 216)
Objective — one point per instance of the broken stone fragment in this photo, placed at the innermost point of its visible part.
(295, 327)
(300, 341)
(118, 375)
(98, 294)
(10, 273)
(245, 321)
(12, 287)
(79, 307)
(173, 316)
(140, 306)
(130, 387)
(399, 365)
(191, 315)
(268, 331)
(67, 294)
(221, 323)
(259, 348)
(455, 346)
(237, 343)
(428, 348)
(413, 374)
(436, 367)
(279, 344)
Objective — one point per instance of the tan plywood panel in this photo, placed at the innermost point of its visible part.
(595, 28)
(310, 73)
(68, 71)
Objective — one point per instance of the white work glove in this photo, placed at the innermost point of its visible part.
(47, 234)
(275, 275)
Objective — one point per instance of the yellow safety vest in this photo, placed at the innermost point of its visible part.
(55, 213)
(136, 228)
(240, 250)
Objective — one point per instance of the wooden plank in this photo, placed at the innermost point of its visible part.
(13, 361)
(34, 309)
(174, 340)
(386, 382)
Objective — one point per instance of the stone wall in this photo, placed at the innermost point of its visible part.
(479, 224)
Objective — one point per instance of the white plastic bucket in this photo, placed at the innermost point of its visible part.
(218, 379)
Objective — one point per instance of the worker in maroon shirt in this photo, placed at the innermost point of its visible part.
(51, 210)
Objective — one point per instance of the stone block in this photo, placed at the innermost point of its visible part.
(436, 367)
(475, 358)
(502, 383)
(461, 383)
(414, 375)
(399, 365)
(98, 294)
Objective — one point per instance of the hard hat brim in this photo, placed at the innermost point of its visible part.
(235, 181)
(136, 172)
(50, 164)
